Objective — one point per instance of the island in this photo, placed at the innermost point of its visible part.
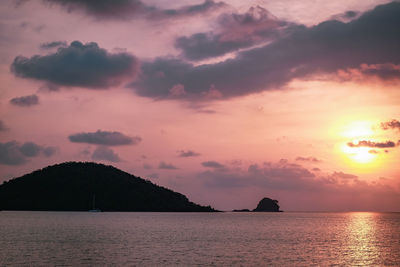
(265, 205)
(84, 186)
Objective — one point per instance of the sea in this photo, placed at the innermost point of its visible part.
(199, 239)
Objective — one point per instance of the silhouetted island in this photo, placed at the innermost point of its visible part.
(265, 205)
(72, 186)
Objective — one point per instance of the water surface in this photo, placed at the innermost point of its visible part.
(220, 239)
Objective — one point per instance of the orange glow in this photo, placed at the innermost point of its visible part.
(358, 129)
(354, 132)
(359, 154)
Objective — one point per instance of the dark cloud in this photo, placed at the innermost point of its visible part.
(3, 127)
(13, 153)
(103, 9)
(212, 164)
(367, 143)
(105, 138)
(187, 153)
(393, 124)
(387, 71)
(105, 153)
(235, 31)
(55, 44)
(129, 9)
(167, 166)
(384, 71)
(84, 65)
(30, 149)
(309, 159)
(350, 14)
(10, 154)
(346, 16)
(373, 38)
(25, 101)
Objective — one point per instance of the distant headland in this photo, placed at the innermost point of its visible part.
(84, 186)
(265, 205)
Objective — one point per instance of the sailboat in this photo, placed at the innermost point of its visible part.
(94, 209)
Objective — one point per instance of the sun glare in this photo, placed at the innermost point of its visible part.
(359, 154)
(358, 129)
(355, 132)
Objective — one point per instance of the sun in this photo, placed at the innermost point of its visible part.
(355, 132)
(361, 155)
(358, 129)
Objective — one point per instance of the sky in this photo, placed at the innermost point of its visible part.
(226, 102)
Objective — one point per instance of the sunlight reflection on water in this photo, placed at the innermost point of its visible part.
(220, 239)
(361, 239)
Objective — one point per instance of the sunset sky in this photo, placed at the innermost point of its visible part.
(225, 102)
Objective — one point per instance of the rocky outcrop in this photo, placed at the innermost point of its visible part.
(267, 205)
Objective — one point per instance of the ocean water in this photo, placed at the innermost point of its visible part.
(205, 239)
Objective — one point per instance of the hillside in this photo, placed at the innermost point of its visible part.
(71, 186)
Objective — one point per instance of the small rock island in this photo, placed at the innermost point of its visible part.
(87, 186)
(265, 205)
(268, 205)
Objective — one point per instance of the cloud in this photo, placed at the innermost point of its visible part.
(213, 164)
(393, 124)
(343, 175)
(83, 65)
(3, 127)
(102, 9)
(55, 44)
(387, 71)
(129, 9)
(274, 176)
(373, 38)
(346, 16)
(25, 101)
(30, 149)
(185, 11)
(167, 166)
(282, 176)
(309, 159)
(105, 153)
(235, 31)
(49, 87)
(49, 151)
(10, 154)
(13, 153)
(367, 143)
(147, 166)
(187, 153)
(299, 188)
(105, 138)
